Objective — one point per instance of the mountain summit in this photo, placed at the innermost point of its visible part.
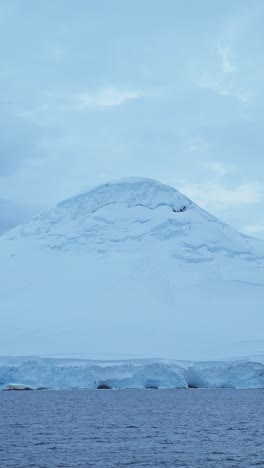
(131, 267)
(134, 210)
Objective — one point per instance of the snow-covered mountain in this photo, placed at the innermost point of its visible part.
(131, 268)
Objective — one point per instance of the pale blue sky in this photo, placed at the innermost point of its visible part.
(94, 90)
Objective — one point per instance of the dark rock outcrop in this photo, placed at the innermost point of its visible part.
(10, 388)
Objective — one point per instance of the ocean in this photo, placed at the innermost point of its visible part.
(132, 428)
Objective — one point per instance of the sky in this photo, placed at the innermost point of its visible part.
(172, 90)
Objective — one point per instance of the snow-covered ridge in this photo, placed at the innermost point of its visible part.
(57, 374)
(127, 198)
(130, 192)
(118, 214)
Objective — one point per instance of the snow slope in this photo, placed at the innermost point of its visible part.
(131, 268)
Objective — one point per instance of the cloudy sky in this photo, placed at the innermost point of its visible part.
(167, 89)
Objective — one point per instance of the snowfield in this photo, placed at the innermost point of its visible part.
(131, 268)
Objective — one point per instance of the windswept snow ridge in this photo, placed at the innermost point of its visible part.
(132, 267)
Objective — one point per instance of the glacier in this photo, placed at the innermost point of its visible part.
(131, 268)
(64, 374)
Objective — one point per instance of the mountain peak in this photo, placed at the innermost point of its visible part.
(132, 191)
(117, 214)
(114, 213)
(129, 266)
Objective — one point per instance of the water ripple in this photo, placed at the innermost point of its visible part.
(165, 428)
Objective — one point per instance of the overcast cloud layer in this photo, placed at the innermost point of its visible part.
(96, 90)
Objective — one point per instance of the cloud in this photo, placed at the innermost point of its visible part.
(218, 196)
(254, 228)
(227, 66)
(213, 84)
(224, 88)
(18, 140)
(51, 106)
(36, 115)
(13, 214)
(218, 168)
(222, 76)
(199, 145)
(57, 53)
(106, 97)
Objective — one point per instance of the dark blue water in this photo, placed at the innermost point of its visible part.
(153, 428)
